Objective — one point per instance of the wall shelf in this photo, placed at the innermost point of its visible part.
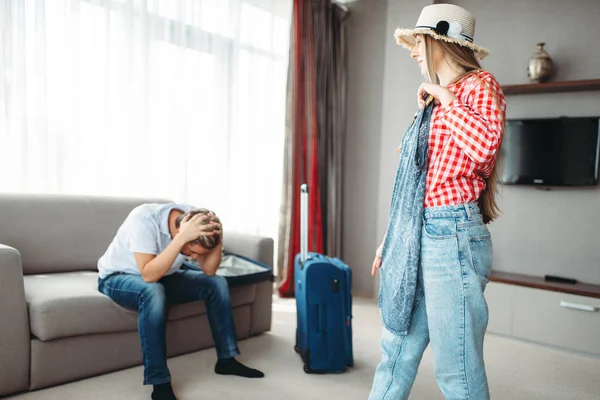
(553, 87)
(538, 282)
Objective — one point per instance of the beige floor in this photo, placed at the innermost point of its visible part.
(516, 370)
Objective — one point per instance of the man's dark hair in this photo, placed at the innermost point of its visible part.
(208, 242)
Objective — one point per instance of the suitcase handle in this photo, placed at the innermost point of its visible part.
(303, 223)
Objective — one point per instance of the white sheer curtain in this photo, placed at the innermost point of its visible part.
(179, 99)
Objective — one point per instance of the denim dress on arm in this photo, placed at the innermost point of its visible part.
(402, 242)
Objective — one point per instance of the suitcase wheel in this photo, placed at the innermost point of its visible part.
(307, 362)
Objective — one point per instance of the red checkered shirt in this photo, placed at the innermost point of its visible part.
(463, 141)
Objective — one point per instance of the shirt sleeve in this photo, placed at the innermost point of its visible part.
(143, 236)
(477, 126)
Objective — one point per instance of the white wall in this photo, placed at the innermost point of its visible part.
(366, 46)
(545, 232)
(540, 232)
(382, 84)
(402, 78)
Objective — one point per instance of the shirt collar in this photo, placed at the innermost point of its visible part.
(164, 219)
(164, 216)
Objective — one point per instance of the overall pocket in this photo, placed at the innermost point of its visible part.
(481, 254)
(440, 228)
(480, 245)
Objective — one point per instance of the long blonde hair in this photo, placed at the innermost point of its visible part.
(465, 57)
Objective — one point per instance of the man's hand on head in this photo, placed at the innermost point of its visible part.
(219, 227)
(197, 226)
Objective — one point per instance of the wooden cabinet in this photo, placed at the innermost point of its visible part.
(558, 319)
(500, 298)
(551, 317)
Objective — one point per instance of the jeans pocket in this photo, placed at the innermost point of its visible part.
(442, 229)
(481, 254)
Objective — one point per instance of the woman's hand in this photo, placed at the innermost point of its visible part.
(377, 261)
(440, 94)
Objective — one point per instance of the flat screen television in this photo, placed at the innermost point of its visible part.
(551, 152)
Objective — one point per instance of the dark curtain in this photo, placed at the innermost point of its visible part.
(315, 130)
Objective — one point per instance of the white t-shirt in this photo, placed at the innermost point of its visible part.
(145, 230)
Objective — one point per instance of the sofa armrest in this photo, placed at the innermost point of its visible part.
(256, 247)
(14, 324)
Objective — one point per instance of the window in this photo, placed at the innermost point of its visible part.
(184, 100)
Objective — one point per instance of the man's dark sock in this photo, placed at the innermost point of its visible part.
(164, 391)
(231, 366)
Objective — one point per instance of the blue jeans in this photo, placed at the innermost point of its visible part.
(450, 310)
(151, 301)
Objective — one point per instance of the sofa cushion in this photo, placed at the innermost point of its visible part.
(53, 234)
(69, 304)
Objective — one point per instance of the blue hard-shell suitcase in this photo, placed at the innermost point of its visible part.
(324, 306)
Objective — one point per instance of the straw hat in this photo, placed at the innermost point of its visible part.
(446, 22)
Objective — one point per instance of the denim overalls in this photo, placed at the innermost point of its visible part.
(402, 243)
(435, 266)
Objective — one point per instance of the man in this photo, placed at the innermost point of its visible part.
(141, 271)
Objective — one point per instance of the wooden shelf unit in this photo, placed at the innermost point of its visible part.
(529, 308)
(538, 282)
(553, 87)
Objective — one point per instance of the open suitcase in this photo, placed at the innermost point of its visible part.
(237, 269)
(324, 305)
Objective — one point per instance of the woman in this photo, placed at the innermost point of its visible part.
(432, 287)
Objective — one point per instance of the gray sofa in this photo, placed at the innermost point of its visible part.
(56, 327)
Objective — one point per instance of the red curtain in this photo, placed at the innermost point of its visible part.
(313, 82)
